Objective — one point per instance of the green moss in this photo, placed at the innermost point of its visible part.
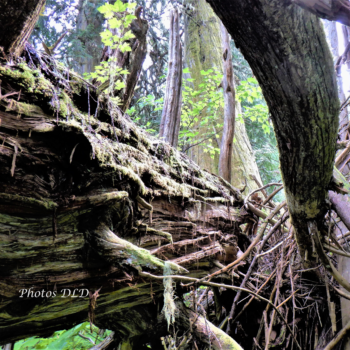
(30, 79)
(27, 201)
(166, 235)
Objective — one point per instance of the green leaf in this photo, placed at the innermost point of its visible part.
(119, 85)
(114, 23)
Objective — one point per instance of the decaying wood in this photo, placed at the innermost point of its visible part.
(171, 115)
(75, 209)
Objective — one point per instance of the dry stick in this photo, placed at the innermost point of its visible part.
(336, 251)
(338, 337)
(285, 300)
(342, 293)
(220, 285)
(251, 298)
(262, 215)
(272, 195)
(312, 226)
(277, 284)
(255, 259)
(260, 189)
(342, 156)
(266, 310)
(252, 245)
(292, 285)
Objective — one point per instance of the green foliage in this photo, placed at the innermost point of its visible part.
(64, 340)
(250, 95)
(201, 109)
(115, 36)
(145, 113)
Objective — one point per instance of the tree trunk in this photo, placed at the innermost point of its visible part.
(202, 52)
(228, 84)
(171, 116)
(17, 21)
(89, 21)
(299, 85)
(131, 61)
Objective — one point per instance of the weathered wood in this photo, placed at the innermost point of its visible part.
(79, 210)
(171, 115)
(17, 21)
(295, 71)
(228, 84)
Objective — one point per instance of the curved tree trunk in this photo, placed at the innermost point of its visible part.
(295, 71)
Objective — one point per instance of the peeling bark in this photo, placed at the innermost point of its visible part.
(171, 115)
(225, 159)
(84, 211)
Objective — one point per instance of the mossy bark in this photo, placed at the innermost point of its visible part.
(203, 50)
(287, 51)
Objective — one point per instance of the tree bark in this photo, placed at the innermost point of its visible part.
(131, 61)
(171, 115)
(202, 52)
(17, 21)
(295, 71)
(228, 84)
(89, 19)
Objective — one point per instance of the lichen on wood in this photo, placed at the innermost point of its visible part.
(89, 200)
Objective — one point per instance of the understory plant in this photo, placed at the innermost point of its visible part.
(115, 37)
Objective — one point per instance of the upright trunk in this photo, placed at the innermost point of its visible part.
(89, 25)
(17, 20)
(171, 116)
(202, 52)
(228, 84)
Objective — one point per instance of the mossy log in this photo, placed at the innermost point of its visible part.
(87, 201)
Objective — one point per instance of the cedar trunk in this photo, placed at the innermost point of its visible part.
(17, 20)
(171, 116)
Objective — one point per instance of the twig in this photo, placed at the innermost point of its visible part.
(220, 285)
(252, 245)
(338, 337)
